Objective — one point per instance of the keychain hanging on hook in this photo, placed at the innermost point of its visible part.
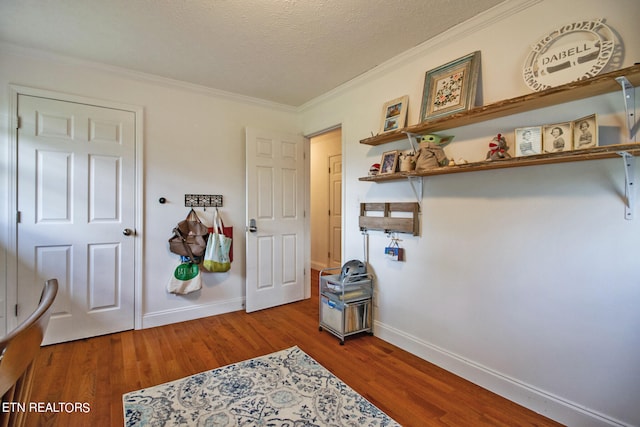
(393, 251)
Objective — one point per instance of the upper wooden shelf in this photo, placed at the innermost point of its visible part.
(574, 91)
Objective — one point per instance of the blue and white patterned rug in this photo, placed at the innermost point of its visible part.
(286, 388)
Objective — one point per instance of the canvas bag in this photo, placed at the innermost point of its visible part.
(189, 237)
(185, 279)
(216, 256)
(227, 231)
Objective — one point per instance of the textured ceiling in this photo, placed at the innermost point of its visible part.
(285, 51)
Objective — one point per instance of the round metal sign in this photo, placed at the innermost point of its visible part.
(575, 51)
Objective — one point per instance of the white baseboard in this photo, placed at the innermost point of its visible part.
(551, 406)
(166, 317)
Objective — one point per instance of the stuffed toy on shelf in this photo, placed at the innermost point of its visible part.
(498, 148)
(430, 153)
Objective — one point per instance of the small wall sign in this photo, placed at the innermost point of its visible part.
(573, 52)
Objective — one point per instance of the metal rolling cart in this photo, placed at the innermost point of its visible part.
(345, 303)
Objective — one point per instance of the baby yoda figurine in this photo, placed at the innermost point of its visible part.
(430, 154)
(498, 148)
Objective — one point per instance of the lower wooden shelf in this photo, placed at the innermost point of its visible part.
(604, 152)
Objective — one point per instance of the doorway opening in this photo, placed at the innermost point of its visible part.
(326, 199)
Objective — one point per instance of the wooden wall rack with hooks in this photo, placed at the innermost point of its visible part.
(387, 222)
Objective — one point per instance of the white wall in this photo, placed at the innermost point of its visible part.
(523, 280)
(194, 142)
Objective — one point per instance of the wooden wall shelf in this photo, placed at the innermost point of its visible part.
(605, 152)
(598, 85)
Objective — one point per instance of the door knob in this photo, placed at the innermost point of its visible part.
(127, 232)
(252, 225)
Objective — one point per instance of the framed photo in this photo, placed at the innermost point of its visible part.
(557, 137)
(450, 88)
(585, 132)
(389, 162)
(394, 114)
(528, 141)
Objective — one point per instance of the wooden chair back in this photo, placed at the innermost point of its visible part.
(19, 349)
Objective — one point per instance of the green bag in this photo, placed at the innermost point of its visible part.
(185, 279)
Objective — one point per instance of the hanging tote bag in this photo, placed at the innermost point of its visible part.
(189, 237)
(216, 256)
(227, 231)
(185, 279)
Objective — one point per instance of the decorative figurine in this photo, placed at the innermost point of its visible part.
(498, 148)
(460, 161)
(430, 154)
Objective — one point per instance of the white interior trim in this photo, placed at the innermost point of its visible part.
(547, 404)
(482, 20)
(183, 314)
(142, 77)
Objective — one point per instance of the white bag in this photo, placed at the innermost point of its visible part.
(185, 279)
(216, 256)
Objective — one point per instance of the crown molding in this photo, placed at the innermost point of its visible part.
(464, 29)
(26, 52)
(482, 20)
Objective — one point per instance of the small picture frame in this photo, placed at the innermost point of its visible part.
(450, 88)
(528, 141)
(389, 162)
(394, 114)
(557, 137)
(585, 132)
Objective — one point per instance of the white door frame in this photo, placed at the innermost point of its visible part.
(12, 260)
(342, 199)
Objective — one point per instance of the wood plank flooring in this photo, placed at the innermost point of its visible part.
(99, 370)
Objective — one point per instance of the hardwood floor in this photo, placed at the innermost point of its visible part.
(99, 370)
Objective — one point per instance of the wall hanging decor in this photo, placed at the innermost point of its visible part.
(572, 52)
(450, 88)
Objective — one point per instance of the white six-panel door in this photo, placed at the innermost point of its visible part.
(76, 185)
(275, 205)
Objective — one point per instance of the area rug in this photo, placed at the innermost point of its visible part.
(286, 388)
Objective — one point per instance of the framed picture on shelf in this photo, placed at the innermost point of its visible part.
(557, 137)
(528, 141)
(450, 88)
(394, 114)
(389, 162)
(585, 132)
